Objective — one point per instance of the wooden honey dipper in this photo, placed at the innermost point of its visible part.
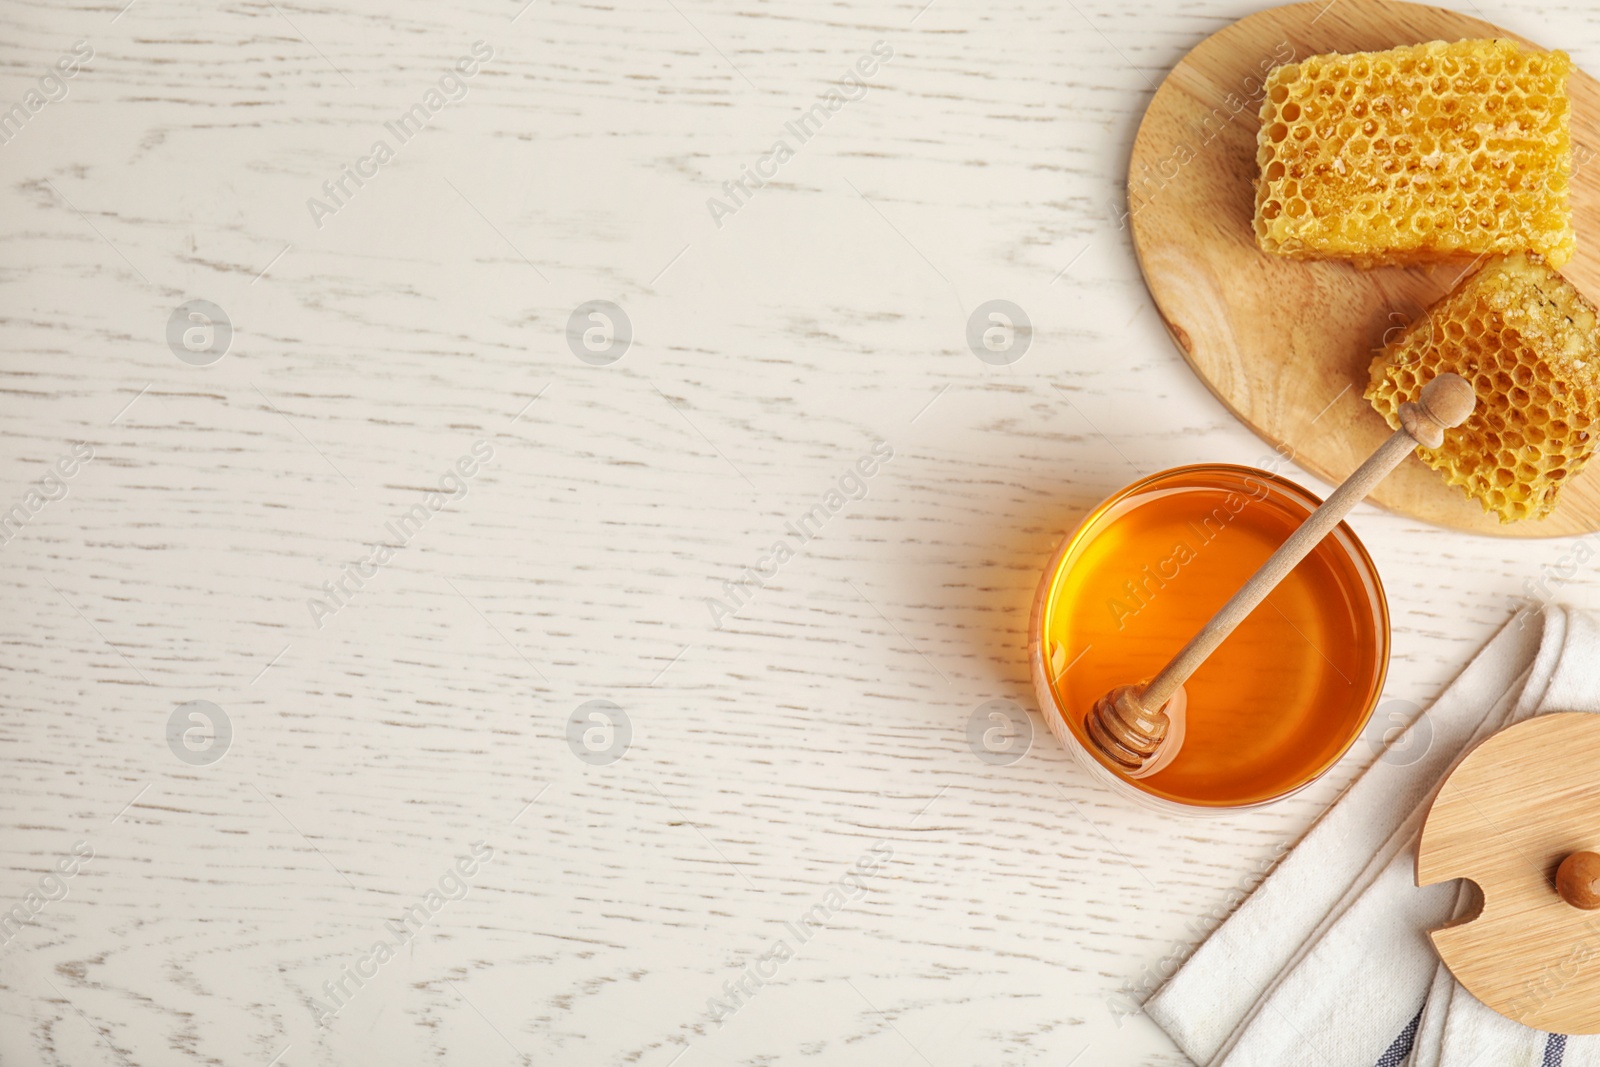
(1131, 724)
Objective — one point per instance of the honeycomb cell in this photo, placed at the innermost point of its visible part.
(1486, 121)
(1530, 345)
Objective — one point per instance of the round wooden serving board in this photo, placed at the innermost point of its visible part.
(1285, 344)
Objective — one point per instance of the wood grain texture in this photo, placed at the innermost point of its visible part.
(828, 713)
(1276, 339)
(1506, 818)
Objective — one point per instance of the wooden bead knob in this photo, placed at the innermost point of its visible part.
(1444, 402)
(1578, 880)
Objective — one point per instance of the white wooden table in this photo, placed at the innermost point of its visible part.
(817, 727)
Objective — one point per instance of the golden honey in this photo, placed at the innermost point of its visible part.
(1285, 694)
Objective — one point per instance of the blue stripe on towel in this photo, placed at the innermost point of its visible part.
(1555, 1046)
(1397, 1052)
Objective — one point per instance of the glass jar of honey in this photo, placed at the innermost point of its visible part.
(1279, 701)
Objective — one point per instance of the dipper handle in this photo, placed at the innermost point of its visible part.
(1444, 402)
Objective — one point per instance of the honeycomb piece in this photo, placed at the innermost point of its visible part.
(1526, 340)
(1417, 154)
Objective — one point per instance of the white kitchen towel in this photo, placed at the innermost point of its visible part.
(1327, 963)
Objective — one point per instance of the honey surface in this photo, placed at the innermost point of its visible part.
(1282, 697)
